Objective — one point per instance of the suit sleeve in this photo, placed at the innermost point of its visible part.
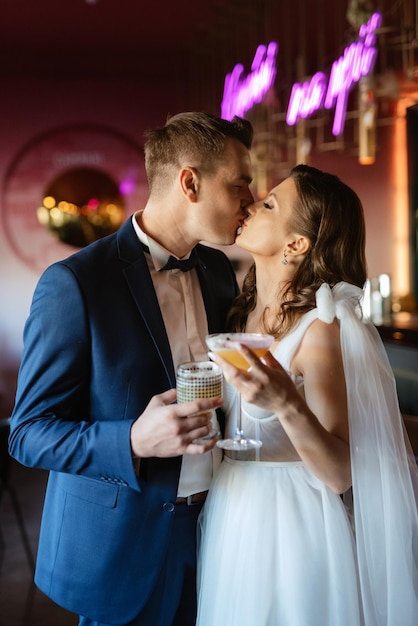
(51, 426)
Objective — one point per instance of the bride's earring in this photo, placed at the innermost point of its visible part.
(284, 259)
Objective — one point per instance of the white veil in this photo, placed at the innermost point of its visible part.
(384, 472)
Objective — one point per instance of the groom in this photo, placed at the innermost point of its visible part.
(95, 402)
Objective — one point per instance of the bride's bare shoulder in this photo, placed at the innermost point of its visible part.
(320, 345)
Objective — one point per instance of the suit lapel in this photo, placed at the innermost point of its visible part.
(142, 289)
(208, 293)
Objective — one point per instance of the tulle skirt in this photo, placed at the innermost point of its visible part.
(275, 549)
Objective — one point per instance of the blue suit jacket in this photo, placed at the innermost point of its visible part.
(95, 352)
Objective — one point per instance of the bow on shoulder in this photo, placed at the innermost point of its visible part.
(332, 302)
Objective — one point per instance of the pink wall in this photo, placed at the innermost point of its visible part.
(28, 109)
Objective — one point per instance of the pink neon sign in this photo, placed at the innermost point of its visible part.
(358, 60)
(241, 94)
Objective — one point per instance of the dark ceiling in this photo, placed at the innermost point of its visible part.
(139, 39)
(100, 37)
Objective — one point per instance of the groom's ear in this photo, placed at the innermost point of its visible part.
(189, 182)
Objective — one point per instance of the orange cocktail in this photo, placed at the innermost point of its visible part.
(227, 346)
(237, 358)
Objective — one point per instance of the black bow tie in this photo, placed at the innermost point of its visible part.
(175, 264)
(185, 265)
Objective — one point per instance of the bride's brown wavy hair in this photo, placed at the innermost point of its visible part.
(330, 215)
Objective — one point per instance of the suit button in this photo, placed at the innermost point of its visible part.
(168, 506)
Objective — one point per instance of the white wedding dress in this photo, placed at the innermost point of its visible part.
(277, 546)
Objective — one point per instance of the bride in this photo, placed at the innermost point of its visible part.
(319, 527)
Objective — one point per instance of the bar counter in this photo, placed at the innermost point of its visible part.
(400, 338)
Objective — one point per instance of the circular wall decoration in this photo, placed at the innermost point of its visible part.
(71, 153)
(81, 206)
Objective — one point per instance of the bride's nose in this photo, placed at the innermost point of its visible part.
(252, 208)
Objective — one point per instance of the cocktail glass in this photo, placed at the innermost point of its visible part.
(227, 345)
(196, 380)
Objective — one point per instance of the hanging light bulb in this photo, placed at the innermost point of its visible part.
(367, 122)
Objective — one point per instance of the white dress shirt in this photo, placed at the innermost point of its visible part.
(180, 298)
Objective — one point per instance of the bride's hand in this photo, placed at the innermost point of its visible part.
(265, 384)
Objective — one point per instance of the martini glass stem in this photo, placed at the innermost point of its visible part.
(239, 433)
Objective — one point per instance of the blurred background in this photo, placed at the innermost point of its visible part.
(82, 80)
